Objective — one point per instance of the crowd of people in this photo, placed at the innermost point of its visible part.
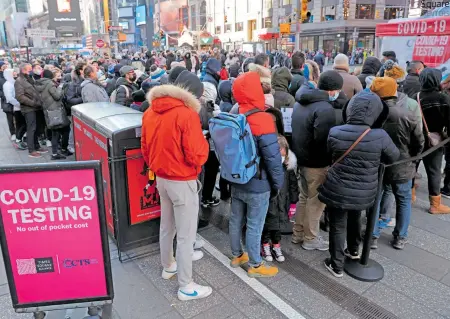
(319, 138)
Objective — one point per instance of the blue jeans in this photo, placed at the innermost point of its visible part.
(252, 206)
(402, 194)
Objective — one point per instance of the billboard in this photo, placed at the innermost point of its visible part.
(126, 12)
(140, 15)
(64, 16)
(171, 14)
(53, 234)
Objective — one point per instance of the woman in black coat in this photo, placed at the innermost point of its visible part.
(351, 184)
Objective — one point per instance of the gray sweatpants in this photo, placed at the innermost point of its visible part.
(179, 215)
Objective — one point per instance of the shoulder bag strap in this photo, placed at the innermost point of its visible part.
(251, 112)
(425, 126)
(352, 147)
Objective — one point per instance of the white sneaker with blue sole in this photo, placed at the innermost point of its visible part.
(168, 273)
(193, 291)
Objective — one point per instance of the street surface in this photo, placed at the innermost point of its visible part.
(416, 283)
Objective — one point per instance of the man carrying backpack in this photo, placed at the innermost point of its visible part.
(125, 87)
(261, 175)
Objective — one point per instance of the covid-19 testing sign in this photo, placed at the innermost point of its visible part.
(53, 234)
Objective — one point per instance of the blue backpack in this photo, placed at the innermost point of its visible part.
(235, 146)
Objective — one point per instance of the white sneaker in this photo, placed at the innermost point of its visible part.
(197, 255)
(168, 273)
(199, 243)
(278, 253)
(267, 254)
(49, 143)
(13, 137)
(193, 291)
(71, 149)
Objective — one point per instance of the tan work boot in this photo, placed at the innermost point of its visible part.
(413, 194)
(436, 207)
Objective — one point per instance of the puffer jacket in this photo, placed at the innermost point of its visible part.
(8, 89)
(213, 66)
(312, 119)
(370, 67)
(93, 92)
(111, 83)
(123, 97)
(353, 182)
(278, 211)
(247, 91)
(174, 113)
(411, 85)
(51, 99)
(26, 93)
(281, 78)
(435, 104)
(73, 93)
(352, 85)
(225, 95)
(297, 81)
(405, 131)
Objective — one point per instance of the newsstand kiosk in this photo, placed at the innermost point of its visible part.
(111, 133)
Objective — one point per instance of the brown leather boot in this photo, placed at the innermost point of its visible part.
(436, 207)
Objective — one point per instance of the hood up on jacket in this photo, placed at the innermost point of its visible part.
(281, 78)
(365, 108)
(41, 84)
(166, 97)
(248, 92)
(371, 66)
(224, 91)
(8, 75)
(307, 95)
(430, 80)
(213, 66)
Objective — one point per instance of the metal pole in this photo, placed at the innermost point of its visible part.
(149, 27)
(298, 21)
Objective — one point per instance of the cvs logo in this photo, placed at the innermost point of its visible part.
(72, 263)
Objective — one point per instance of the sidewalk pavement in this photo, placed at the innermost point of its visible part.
(416, 283)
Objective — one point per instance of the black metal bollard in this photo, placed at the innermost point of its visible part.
(367, 269)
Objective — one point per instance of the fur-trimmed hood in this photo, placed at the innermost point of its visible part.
(167, 97)
(292, 161)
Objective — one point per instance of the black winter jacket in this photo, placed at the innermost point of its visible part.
(73, 93)
(353, 182)
(435, 104)
(405, 130)
(169, 59)
(411, 85)
(278, 211)
(312, 119)
(2, 81)
(297, 81)
(123, 97)
(370, 68)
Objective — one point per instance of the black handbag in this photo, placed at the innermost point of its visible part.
(56, 118)
(7, 107)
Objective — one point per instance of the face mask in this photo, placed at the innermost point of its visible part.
(334, 98)
(282, 159)
(15, 77)
(37, 72)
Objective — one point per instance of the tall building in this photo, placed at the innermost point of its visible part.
(14, 20)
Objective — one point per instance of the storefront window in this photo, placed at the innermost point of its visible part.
(393, 13)
(239, 26)
(365, 11)
(328, 13)
(227, 28)
(268, 22)
(218, 30)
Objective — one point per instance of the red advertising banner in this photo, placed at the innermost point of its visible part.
(142, 193)
(90, 145)
(431, 26)
(54, 236)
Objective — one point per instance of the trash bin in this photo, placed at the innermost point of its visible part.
(111, 133)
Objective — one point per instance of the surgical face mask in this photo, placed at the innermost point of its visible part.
(334, 97)
(282, 159)
(37, 72)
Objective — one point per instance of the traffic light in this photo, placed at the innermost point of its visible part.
(377, 14)
(304, 9)
(225, 19)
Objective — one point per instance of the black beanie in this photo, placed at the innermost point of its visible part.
(190, 82)
(175, 72)
(47, 74)
(330, 81)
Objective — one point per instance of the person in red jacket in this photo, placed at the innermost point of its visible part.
(224, 73)
(174, 148)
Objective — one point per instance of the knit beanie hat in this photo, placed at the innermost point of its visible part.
(47, 74)
(393, 70)
(313, 71)
(384, 87)
(157, 74)
(190, 82)
(175, 72)
(341, 62)
(330, 81)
